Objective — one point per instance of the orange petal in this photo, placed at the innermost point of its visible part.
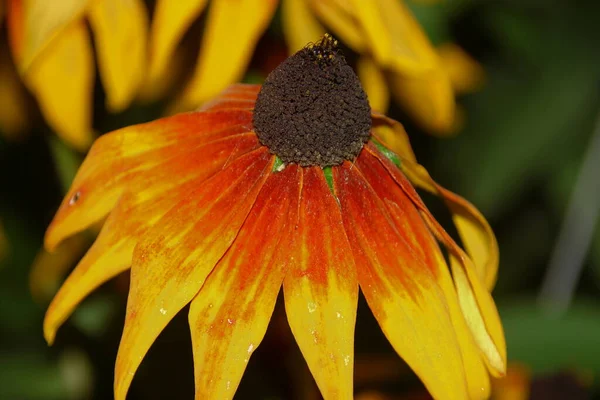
(403, 292)
(120, 29)
(174, 258)
(226, 47)
(475, 300)
(135, 213)
(300, 26)
(240, 96)
(428, 98)
(229, 316)
(321, 289)
(170, 21)
(407, 219)
(62, 81)
(130, 154)
(374, 83)
(35, 24)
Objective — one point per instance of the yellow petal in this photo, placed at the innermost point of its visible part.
(136, 212)
(135, 154)
(232, 30)
(392, 135)
(229, 316)
(390, 32)
(339, 17)
(174, 258)
(62, 80)
(406, 216)
(401, 290)
(300, 26)
(428, 98)
(374, 82)
(474, 230)
(34, 24)
(120, 30)
(321, 289)
(464, 72)
(475, 300)
(14, 118)
(170, 21)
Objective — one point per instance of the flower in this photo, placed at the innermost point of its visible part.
(285, 185)
(53, 52)
(396, 55)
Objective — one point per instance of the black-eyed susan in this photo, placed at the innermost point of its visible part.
(285, 185)
(396, 56)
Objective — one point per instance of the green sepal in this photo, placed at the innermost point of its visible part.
(390, 155)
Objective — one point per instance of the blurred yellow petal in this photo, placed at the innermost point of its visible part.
(339, 17)
(428, 98)
(48, 269)
(516, 385)
(226, 47)
(39, 22)
(464, 72)
(14, 117)
(299, 24)
(321, 289)
(170, 21)
(120, 30)
(62, 80)
(374, 83)
(229, 316)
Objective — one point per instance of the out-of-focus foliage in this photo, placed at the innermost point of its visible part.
(518, 157)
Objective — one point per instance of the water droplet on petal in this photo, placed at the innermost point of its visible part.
(74, 198)
(311, 307)
(163, 311)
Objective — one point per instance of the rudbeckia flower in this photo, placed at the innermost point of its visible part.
(53, 52)
(292, 186)
(395, 56)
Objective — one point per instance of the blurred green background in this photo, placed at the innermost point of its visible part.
(528, 158)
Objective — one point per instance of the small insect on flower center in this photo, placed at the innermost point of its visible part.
(312, 110)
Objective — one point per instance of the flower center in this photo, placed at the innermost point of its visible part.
(312, 110)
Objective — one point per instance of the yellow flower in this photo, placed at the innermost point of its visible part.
(53, 52)
(396, 55)
(286, 185)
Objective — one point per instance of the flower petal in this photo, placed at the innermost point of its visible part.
(392, 134)
(475, 300)
(464, 72)
(299, 24)
(134, 154)
(14, 115)
(339, 17)
(120, 29)
(171, 19)
(172, 261)
(429, 99)
(403, 292)
(62, 80)
(407, 219)
(136, 212)
(236, 97)
(321, 289)
(226, 47)
(35, 24)
(229, 316)
(374, 83)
